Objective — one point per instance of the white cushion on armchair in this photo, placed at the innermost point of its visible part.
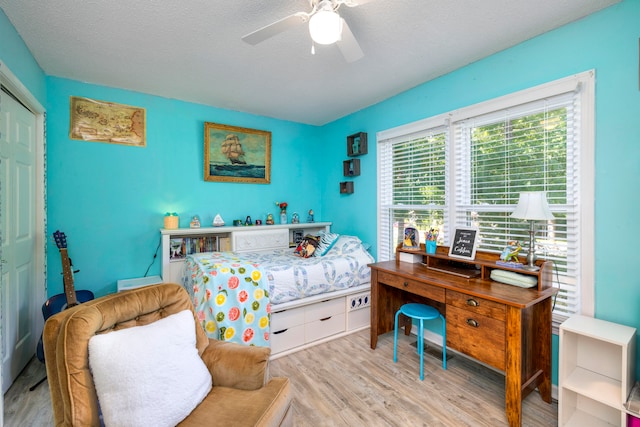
(149, 375)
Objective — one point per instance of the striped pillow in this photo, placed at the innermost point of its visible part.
(327, 239)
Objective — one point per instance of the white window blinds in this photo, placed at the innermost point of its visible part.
(412, 182)
(530, 147)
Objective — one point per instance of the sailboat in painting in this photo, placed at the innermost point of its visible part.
(232, 150)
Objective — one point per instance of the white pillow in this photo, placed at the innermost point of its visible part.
(149, 375)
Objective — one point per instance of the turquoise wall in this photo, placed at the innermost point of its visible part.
(109, 199)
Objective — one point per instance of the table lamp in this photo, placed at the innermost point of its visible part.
(532, 207)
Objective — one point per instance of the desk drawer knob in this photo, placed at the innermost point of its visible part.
(472, 322)
(472, 302)
(406, 284)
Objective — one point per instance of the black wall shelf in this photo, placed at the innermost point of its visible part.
(346, 187)
(357, 144)
(351, 167)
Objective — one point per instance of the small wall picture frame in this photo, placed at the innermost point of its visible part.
(464, 243)
(411, 238)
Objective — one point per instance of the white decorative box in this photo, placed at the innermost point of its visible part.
(411, 258)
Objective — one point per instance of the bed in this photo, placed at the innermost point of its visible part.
(271, 298)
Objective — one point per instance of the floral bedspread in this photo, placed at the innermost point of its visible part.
(230, 296)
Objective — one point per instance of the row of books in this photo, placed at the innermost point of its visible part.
(183, 246)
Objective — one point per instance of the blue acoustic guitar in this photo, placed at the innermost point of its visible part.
(69, 298)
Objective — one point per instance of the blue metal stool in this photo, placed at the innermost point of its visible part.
(420, 312)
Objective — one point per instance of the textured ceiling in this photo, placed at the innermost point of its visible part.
(192, 49)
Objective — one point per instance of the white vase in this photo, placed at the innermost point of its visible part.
(283, 217)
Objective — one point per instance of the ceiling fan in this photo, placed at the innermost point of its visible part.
(326, 26)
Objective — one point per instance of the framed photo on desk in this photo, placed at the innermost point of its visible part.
(464, 243)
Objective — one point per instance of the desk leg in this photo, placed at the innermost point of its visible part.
(544, 348)
(385, 301)
(513, 372)
(375, 307)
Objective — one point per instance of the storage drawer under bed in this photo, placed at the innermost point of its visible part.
(297, 326)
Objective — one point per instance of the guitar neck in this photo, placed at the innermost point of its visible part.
(67, 275)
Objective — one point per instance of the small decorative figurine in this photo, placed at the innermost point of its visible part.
(237, 222)
(295, 218)
(195, 222)
(258, 222)
(269, 219)
(310, 217)
(510, 253)
(218, 221)
(248, 221)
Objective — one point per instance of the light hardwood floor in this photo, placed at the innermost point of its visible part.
(345, 383)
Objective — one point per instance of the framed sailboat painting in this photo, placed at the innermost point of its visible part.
(236, 154)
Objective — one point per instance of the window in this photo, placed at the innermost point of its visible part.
(468, 167)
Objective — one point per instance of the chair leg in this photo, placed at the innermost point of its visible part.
(421, 348)
(395, 338)
(33, 387)
(444, 342)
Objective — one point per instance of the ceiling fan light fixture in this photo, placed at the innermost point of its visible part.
(325, 27)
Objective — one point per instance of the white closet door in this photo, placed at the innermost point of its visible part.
(18, 234)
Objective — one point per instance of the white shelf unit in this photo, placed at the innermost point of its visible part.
(596, 372)
(237, 239)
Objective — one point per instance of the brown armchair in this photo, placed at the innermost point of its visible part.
(241, 383)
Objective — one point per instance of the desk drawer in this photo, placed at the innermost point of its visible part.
(478, 336)
(477, 305)
(413, 286)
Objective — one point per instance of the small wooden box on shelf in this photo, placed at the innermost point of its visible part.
(346, 187)
(351, 167)
(357, 144)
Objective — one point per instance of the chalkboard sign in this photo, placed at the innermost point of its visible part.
(464, 243)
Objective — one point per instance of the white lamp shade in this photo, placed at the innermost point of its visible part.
(533, 206)
(325, 27)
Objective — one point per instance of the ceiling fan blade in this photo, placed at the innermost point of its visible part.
(354, 3)
(348, 45)
(276, 28)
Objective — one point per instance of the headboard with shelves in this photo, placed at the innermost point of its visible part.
(180, 242)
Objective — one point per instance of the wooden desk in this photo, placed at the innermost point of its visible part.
(504, 326)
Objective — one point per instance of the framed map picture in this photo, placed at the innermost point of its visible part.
(235, 154)
(100, 121)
